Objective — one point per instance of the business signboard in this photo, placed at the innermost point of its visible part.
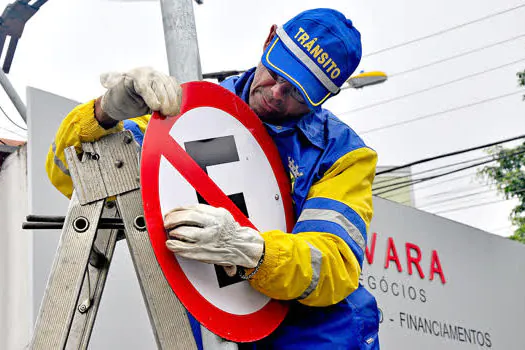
(443, 285)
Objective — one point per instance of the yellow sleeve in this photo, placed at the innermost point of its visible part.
(320, 264)
(79, 126)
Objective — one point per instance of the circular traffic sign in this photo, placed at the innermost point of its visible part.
(217, 152)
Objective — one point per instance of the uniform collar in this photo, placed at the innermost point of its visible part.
(242, 85)
(311, 124)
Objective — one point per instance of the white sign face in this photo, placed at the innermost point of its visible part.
(216, 152)
(237, 165)
(443, 285)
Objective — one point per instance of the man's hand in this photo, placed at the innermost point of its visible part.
(139, 92)
(212, 235)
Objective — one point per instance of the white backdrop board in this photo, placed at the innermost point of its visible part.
(469, 294)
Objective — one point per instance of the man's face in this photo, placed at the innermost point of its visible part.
(273, 101)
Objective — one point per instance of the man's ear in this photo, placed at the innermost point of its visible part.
(271, 35)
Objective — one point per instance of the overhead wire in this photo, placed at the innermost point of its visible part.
(443, 60)
(12, 132)
(446, 59)
(431, 204)
(520, 190)
(426, 186)
(469, 76)
(11, 120)
(465, 150)
(454, 190)
(416, 182)
(451, 199)
(437, 168)
(407, 183)
(470, 206)
(444, 84)
(235, 72)
(435, 114)
(447, 83)
(443, 31)
(396, 183)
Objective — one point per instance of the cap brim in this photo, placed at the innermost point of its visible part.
(277, 58)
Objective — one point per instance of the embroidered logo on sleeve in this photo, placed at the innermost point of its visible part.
(294, 172)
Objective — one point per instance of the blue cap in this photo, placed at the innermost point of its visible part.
(316, 51)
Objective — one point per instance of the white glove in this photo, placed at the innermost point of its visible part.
(139, 92)
(212, 235)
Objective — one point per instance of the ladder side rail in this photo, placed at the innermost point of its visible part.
(65, 281)
(167, 314)
(119, 165)
(94, 283)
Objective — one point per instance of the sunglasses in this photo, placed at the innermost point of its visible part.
(292, 91)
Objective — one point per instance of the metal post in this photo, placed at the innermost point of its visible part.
(11, 92)
(180, 36)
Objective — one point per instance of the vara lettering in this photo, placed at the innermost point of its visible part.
(413, 258)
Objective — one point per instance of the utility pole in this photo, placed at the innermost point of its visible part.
(13, 95)
(180, 35)
(12, 24)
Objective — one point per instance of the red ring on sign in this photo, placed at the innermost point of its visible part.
(227, 325)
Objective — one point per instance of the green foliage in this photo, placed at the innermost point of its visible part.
(521, 80)
(508, 175)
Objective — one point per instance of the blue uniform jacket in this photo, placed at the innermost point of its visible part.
(308, 147)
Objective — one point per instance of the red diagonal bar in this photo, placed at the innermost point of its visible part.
(200, 181)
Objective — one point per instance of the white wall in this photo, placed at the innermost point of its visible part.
(15, 252)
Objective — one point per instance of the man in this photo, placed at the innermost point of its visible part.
(317, 266)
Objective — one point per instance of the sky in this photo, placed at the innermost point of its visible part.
(460, 102)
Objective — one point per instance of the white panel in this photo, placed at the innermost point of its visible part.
(481, 300)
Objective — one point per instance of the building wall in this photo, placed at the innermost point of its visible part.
(386, 186)
(15, 252)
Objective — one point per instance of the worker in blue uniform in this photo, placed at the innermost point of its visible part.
(316, 267)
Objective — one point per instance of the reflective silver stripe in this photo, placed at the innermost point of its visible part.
(314, 68)
(336, 218)
(58, 162)
(316, 258)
